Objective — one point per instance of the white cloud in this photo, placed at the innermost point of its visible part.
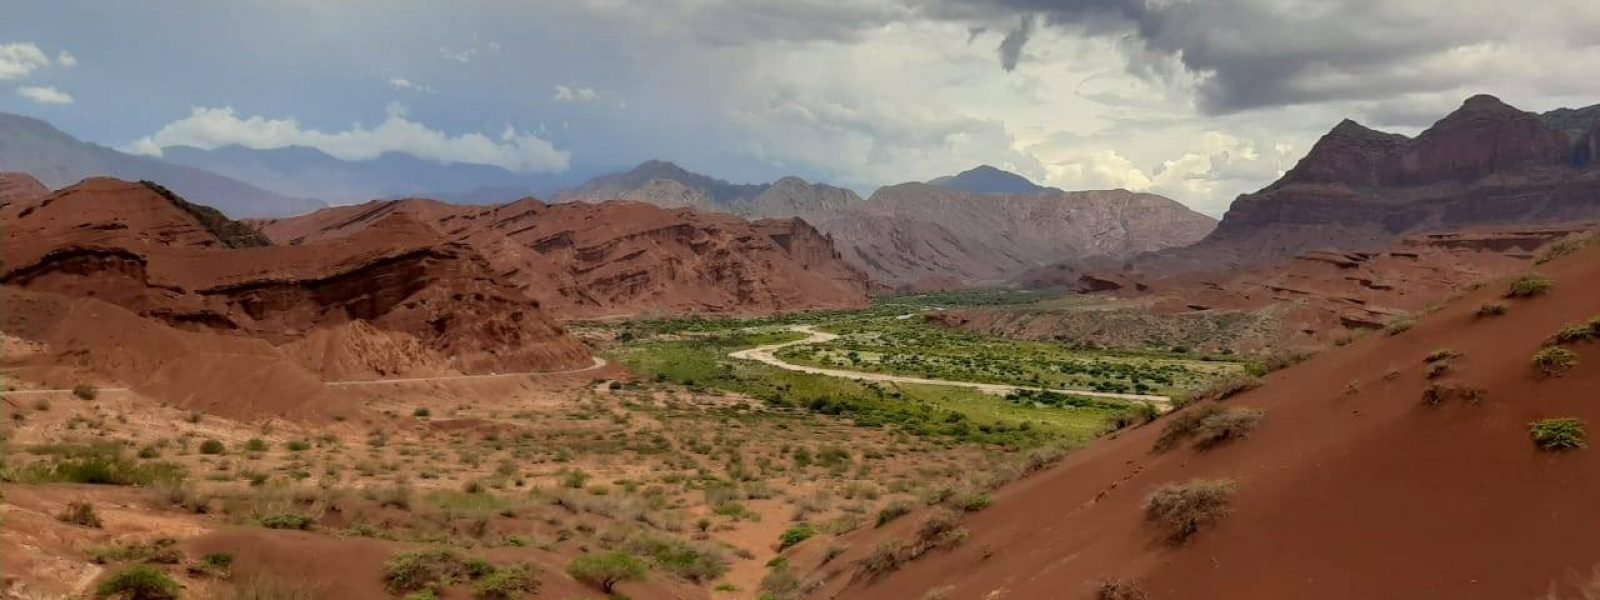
(574, 94)
(461, 56)
(44, 94)
(216, 127)
(18, 60)
(66, 59)
(401, 83)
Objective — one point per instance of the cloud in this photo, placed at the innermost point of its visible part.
(44, 94)
(18, 60)
(461, 56)
(572, 94)
(1011, 46)
(66, 59)
(401, 83)
(215, 127)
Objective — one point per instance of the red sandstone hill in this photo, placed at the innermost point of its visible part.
(615, 258)
(126, 282)
(1350, 486)
(1358, 189)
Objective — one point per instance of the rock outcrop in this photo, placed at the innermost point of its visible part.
(584, 260)
(179, 268)
(1486, 164)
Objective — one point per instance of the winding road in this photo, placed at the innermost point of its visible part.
(768, 354)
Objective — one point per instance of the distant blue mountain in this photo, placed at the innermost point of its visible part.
(989, 180)
(312, 173)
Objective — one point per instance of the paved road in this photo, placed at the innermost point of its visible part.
(598, 363)
(768, 354)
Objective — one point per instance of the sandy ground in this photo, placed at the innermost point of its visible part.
(767, 354)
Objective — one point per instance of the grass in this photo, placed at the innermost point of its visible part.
(1558, 435)
(795, 534)
(95, 464)
(1181, 510)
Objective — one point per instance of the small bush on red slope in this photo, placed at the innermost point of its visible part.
(887, 557)
(1558, 435)
(1441, 354)
(138, 582)
(85, 391)
(1182, 424)
(1222, 388)
(80, 513)
(1528, 286)
(1180, 510)
(1118, 590)
(1492, 309)
(1573, 334)
(1437, 394)
(1226, 426)
(1554, 360)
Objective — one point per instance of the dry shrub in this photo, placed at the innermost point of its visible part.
(1180, 510)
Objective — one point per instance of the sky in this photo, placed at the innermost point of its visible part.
(1198, 100)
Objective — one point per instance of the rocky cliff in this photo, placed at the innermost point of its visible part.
(584, 260)
(1487, 163)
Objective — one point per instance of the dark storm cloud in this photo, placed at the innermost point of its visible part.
(1011, 46)
(1256, 53)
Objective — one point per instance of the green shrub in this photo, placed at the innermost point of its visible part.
(138, 582)
(507, 583)
(99, 470)
(421, 413)
(1528, 286)
(1573, 334)
(976, 502)
(81, 513)
(298, 445)
(85, 391)
(256, 445)
(1399, 325)
(1558, 435)
(1219, 428)
(1180, 510)
(695, 563)
(606, 570)
(1554, 360)
(213, 447)
(795, 534)
(287, 521)
(422, 569)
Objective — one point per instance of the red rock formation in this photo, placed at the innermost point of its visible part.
(622, 258)
(130, 245)
(20, 187)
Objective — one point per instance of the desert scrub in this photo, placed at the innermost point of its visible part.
(1554, 360)
(795, 534)
(885, 558)
(212, 447)
(1180, 510)
(1118, 590)
(1441, 354)
(80, 513)
(85, 391)
(1437, 394)
(1223, 427)
(695, 563)
(606, 570)
(1399, 325)
(1558, 435)
(138, 582)
(422, 569)
(891, 512)
(1528, 286)
(1222, 388)
(1491, 309)
(1572, 334)
(507, 582)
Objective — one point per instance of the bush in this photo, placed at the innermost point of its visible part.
(298, 445)
(100, 470)
(885, 558)
(287, 521)
(1137, 413)
(507, 583)
(256, 445)
(1554, 360)
(695, 563)
(421, 413)
(891, 512)
(1441, 354)
(607, 570)
(85, 391)
(1439, 393)
(1220, 428)
(1558, 435)
(1528, 286)
(1180, 510)
(422, 569)
(1118, 590)
(976, 502)
(1222, 388)
(794, 535)
(1492, 309)
(213, 447)
(1182, 424)
(138, 582)
(81, 513)
(1399, 325)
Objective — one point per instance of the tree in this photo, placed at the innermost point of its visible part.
(606, 570)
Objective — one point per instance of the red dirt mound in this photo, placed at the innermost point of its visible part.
(621, 258)
(1351, 486)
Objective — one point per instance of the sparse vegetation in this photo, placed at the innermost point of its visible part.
(84, 391)
(213, 447)
(1226, 426)
(1180, 510)
(1437, 394)
(1554, 360)
(138, 582)
(1559, 435)
(81, 513)
(1528, 286)
(231, 233)
(1491, 309)
(422, 570)
(1399, 325)
(606, 570)
(795, 534)
(1118, 590)
(1223, 388)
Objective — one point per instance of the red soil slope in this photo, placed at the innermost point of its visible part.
(620, 258)
(1350, 487)
(117, 280)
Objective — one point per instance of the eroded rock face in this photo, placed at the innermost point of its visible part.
(584, 260)
(126, 244)
(1486, 164)
(20, 187)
